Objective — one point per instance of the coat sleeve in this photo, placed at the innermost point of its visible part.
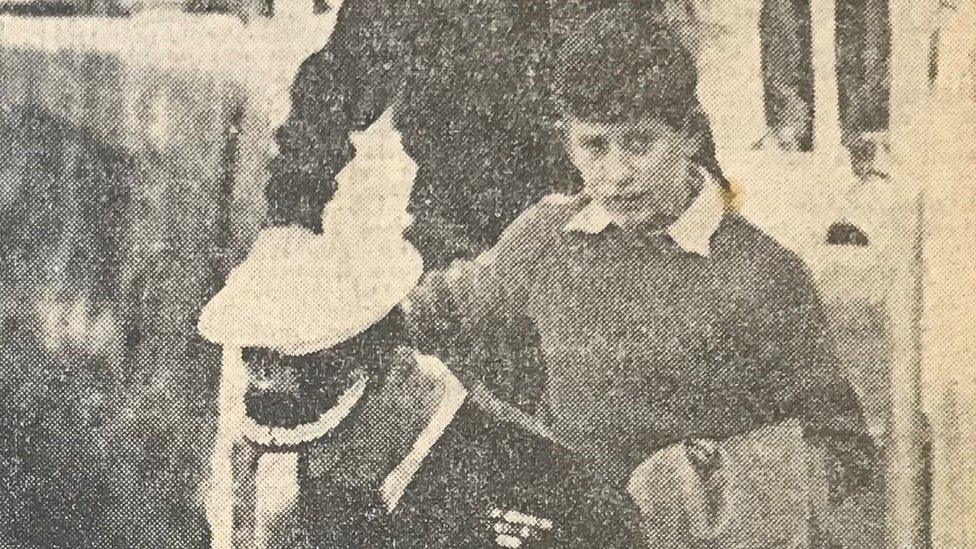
(340, 89)
(612, 520)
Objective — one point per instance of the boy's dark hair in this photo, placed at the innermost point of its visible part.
(624, 63)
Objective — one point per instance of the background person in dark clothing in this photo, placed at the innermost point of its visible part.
(471, 81)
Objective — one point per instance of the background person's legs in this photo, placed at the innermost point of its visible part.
(787, 66)
(863, 47)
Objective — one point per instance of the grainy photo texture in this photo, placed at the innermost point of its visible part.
(311, 274)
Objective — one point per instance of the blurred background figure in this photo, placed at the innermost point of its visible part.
(118, 170)
(782, 30)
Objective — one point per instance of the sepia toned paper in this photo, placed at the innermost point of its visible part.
(308, 274)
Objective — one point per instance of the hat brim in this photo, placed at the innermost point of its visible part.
(317, 297)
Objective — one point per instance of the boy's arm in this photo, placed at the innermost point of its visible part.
(473, 314)
(493, 284)
(808, 382)
(342, 88)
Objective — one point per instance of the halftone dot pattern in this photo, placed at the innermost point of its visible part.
(141, 155)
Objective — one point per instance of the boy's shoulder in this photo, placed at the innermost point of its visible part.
(738, 231)
(758, 252)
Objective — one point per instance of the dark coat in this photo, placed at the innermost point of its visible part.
(478, 465)
(484, 459)
(471, 81)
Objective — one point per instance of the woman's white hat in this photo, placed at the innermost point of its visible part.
(298, 292)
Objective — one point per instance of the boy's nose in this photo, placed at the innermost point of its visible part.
(618, 169)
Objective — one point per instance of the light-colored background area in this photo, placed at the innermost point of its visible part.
(169, 89)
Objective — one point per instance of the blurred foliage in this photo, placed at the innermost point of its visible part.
(97, 448)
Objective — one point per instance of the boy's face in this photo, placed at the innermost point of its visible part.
(637, 170)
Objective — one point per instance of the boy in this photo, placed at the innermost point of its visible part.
(662, 316)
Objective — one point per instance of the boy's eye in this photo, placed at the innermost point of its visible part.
(596, 145)
(637, 143)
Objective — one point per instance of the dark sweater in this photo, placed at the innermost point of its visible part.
(643, 343)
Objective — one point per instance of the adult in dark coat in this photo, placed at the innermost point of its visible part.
(471, 85)
(421, 462)
(390, 450)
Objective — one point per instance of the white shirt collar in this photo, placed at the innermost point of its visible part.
(692, 231)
